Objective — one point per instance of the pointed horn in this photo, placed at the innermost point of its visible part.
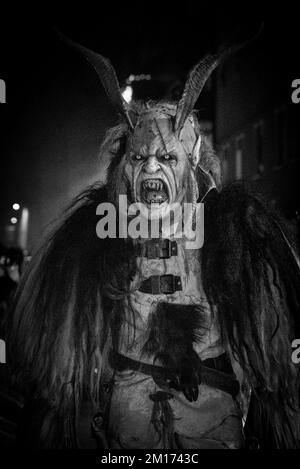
(199, 75)
(107, 75)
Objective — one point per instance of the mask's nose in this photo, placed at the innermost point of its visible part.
(151, 166)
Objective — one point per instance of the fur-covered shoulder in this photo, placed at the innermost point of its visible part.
(251, 275)
(58, 327)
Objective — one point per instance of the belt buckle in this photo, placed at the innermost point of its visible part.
(167, 284)
(165, 252)
(169, 250)
(160, 249)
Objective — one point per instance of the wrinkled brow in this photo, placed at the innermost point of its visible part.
(155, 148)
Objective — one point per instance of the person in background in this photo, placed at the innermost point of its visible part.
(11, 265)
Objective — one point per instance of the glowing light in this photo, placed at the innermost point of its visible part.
(127, 94)
(16, 206)
(141, 77)
(14, 220)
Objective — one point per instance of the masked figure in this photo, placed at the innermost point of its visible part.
(152, 341)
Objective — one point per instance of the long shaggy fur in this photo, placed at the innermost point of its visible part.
(252, 279)
(173, 329)
(60, 323)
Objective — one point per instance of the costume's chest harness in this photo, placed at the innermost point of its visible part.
(168, 272)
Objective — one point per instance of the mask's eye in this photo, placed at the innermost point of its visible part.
(137, 157)
(168, 157)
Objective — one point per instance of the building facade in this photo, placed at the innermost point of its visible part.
(257, 124)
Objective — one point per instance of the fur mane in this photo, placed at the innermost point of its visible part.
(60, 323)
(252, 278)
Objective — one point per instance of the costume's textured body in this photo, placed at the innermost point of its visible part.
(214, 419)
(163, 343)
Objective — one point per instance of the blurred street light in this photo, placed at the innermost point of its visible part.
(127, 94)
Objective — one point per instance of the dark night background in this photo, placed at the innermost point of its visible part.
(56, 112)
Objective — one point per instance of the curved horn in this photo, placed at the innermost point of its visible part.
(198, 77)
(107, 75)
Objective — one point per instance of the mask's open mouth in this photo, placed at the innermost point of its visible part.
(154, 191)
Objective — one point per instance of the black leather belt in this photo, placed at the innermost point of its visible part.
(159, 249)
(161, 284)
(215, 372)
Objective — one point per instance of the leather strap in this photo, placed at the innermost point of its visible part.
(215, 372)
(159, 248)
(161, 284)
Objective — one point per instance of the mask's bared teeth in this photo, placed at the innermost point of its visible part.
(153, 189)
